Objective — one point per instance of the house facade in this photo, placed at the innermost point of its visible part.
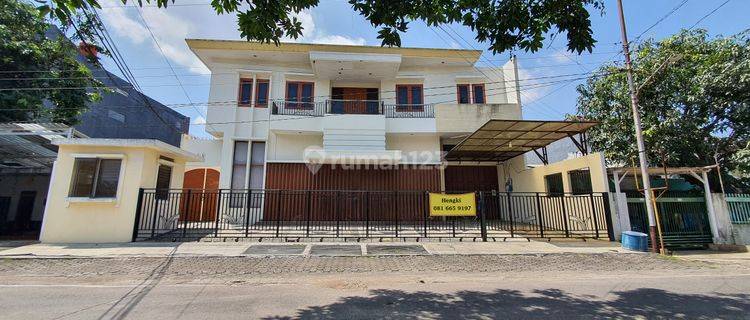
(334, 117)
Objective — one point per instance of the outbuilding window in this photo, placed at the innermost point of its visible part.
(554, 184)
(580, 181)
(95, 178)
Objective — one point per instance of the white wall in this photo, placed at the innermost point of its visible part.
(532, 180)
(290, 147)
(415, 149)
(209, 149)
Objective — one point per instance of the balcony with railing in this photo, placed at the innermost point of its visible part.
(358, 107)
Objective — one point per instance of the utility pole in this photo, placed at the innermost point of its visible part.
(642, 157)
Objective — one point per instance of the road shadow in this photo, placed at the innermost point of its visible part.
(546, 304)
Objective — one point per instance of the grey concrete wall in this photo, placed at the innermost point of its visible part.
(741, 234)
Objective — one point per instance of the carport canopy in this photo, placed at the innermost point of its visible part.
(27, 146)
(500, 140)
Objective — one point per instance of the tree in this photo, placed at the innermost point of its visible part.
(37, 69)
(695, 110)
(505, 24)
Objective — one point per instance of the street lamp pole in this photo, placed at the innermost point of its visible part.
(642, 157)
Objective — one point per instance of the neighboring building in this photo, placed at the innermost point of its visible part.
(124, 113)
(128, 114)
(285, 117)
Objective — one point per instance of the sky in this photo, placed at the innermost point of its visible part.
(169, 72)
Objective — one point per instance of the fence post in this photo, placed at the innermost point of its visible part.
(539, 215)
(247, 212)
(278, 212)
(218, 212)
(336, 211)
(137, 222)
(510, 213)
(482, 222)
(367, 214)
(395, 209)
(608, 217)
(593, 214)
(307, 227)
(186, 212)
(426, 203)
(565, 216)
(156, 214)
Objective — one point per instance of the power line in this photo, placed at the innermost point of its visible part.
(318, 96)
(103, 34)
(145, 24)
(233, 103)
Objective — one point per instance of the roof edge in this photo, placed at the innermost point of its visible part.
(129, 143)
(216, 44)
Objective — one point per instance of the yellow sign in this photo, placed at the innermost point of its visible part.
(463, 205)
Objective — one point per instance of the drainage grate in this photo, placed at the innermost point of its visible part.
(384, 250)
(278, 249)
(336, 250)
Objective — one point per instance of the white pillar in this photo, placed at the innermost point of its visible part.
(710, 209)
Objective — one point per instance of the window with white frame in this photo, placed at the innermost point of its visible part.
(95, 178)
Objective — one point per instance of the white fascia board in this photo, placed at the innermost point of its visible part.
(130, 143)
(354, 57)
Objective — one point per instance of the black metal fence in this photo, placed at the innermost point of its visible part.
(195, 214)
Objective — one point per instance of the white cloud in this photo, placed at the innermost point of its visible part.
(337, 39)
(311, 34)
(169, 30)
(200, 120)
(526, 78)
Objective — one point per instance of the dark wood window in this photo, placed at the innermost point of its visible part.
(580, 181)
(95, 178)
(462, 90)
(409, 98)
(554, 184)
(299, 95)
(478, 93)
(261, 93)
(163, 180)
(245, 92)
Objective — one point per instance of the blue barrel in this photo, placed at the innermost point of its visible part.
(636, 241)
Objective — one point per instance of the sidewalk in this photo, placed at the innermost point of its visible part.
(255, 249)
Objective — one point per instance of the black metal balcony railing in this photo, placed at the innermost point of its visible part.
(368, 107)
(297, 108)
(409, 111)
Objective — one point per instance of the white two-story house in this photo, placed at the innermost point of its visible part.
(334, 117)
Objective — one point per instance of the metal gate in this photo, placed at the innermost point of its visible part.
(684, 219)
(170, 215)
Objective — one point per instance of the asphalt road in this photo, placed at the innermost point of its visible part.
(668, 289)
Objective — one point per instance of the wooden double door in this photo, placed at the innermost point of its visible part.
(201, 201)
(355, 100)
